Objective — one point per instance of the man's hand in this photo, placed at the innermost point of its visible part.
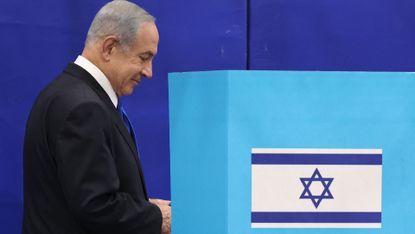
(165, 208)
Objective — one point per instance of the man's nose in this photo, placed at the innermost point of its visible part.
(148, 70)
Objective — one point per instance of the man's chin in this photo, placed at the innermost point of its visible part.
(128, 92)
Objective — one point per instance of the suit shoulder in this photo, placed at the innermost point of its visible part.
(62, 96)
(66, 92)
(68, 89)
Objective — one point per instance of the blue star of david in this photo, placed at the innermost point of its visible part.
(316, 177)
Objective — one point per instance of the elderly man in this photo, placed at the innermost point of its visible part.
(82, 171)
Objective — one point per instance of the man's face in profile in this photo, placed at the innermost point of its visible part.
(130, 66)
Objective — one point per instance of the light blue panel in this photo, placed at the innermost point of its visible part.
(198, 145)
(217, 117)
(324, 110)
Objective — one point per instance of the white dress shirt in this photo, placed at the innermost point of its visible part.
(99, 76)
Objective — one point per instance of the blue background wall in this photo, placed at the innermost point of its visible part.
(345, 35)
(38, 38)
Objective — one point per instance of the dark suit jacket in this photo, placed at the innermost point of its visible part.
(82, 173)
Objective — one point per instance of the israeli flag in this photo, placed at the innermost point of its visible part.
(316, 188)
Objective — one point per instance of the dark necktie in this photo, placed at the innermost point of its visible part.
(126, 121)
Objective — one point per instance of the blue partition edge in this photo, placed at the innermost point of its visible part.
(198, 139)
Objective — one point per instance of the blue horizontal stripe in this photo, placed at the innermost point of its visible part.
(323, 159)
(316, 217)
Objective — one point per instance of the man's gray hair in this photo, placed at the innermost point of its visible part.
(119, 18)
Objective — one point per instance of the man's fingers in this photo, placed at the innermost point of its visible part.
(165, 208)
(164, 202)
(166, 212)
(160, 202)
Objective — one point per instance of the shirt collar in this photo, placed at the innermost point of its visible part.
(99, 76)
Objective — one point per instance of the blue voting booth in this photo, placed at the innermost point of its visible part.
(218, 117)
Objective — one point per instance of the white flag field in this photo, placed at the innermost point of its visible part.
(316, 188)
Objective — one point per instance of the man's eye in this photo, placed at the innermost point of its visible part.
(144, 58)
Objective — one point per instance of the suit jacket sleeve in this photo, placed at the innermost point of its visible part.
(89, 179)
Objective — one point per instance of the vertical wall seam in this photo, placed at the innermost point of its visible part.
(248, 35)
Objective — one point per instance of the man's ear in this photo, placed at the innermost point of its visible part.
(108, 47)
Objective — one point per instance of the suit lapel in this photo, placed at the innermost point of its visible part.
(83, 75)
(127, 137)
